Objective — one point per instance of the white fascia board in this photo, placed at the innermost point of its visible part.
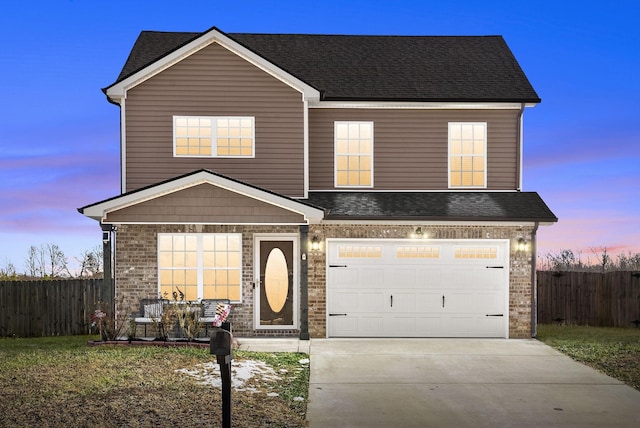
(118, 91)
(100, 210)
(415, 105)
(427, 223)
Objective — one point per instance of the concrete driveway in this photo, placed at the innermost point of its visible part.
(460, 383)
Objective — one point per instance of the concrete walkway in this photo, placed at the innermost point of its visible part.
(460, 383)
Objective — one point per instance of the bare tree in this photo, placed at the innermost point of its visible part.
(35, 262)
(91, 262)
(47, 261)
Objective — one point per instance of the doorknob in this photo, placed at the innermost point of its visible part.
(443, 300)
(392, 300)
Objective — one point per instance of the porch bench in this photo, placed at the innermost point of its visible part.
(216, 313)
(150, 313)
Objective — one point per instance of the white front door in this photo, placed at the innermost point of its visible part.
(409, 288)
(276, 282)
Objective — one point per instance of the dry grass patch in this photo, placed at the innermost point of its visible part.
(613, 351)
(62, 382)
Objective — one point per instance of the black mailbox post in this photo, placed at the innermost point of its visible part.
(220, 345)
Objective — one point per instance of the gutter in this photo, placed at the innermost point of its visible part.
(534, 285)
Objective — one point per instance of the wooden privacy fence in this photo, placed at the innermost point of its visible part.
(49, 308)
(610, 299)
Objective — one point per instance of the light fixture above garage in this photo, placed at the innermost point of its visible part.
(418, 233)
(522, 244)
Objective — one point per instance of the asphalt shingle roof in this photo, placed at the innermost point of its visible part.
(384, 68)
(434, 206)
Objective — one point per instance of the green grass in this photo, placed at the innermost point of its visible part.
(613, 351)
(63, 381)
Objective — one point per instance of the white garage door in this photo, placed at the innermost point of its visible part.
(410, 288)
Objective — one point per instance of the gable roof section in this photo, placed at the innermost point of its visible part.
(433, 206)
(155, 51)
(371, 68)
(136, 204)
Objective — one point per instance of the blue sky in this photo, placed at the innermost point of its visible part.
(59, 137)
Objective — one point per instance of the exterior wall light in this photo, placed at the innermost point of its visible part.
(522, 244)
(315, 244)
(418, 233)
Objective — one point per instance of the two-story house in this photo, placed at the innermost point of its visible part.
(329, 186)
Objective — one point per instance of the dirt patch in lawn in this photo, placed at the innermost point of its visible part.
(113, 386)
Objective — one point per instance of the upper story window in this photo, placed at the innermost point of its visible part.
(211, 136)
(467, 154)
(353, 154)
(200, 265)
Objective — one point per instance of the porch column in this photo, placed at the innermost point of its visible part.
(304, 283)
(109, 294)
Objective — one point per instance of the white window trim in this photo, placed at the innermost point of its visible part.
(486, 145)
(200, 264)
(214, 145)
(335, 154)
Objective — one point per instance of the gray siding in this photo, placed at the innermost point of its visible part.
(411, 146)
(215, 82)
(205, 203)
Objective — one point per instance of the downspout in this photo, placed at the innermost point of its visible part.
(520, 147)
(534, 285)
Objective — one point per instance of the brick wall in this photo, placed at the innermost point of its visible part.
(137, 274)
(136, 270)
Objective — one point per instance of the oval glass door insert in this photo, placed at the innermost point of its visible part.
(276, 280)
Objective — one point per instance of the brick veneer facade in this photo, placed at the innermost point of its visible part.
(136, 271)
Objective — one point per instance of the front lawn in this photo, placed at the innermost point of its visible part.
(613, 351)
(63, 382)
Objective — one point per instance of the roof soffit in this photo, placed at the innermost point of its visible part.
(118, 90)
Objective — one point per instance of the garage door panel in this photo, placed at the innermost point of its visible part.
(400, 326)
(383, 298)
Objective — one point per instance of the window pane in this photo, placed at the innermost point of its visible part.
(191, 259)
(478, 178)
(221, 277)
(353, 178)
(365, 178)
(354, 130)
(456, 163)
(341, 179)
(233, 259)
(354, 162)
(208, 277)
(467, 163)
(478, 163)
(467, 179)
(365, 147)
(342, 146)
(467, 132)
(222, 259)
(341, 131)
(234, 277)
(233, 242)
(234, 293)
(365, 163)
(365, 131)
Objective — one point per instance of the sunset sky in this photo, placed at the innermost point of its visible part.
(59, 137)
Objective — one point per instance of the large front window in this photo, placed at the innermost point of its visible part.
(200, 266)
(211, 136)
(468, 155)
(353, 154)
